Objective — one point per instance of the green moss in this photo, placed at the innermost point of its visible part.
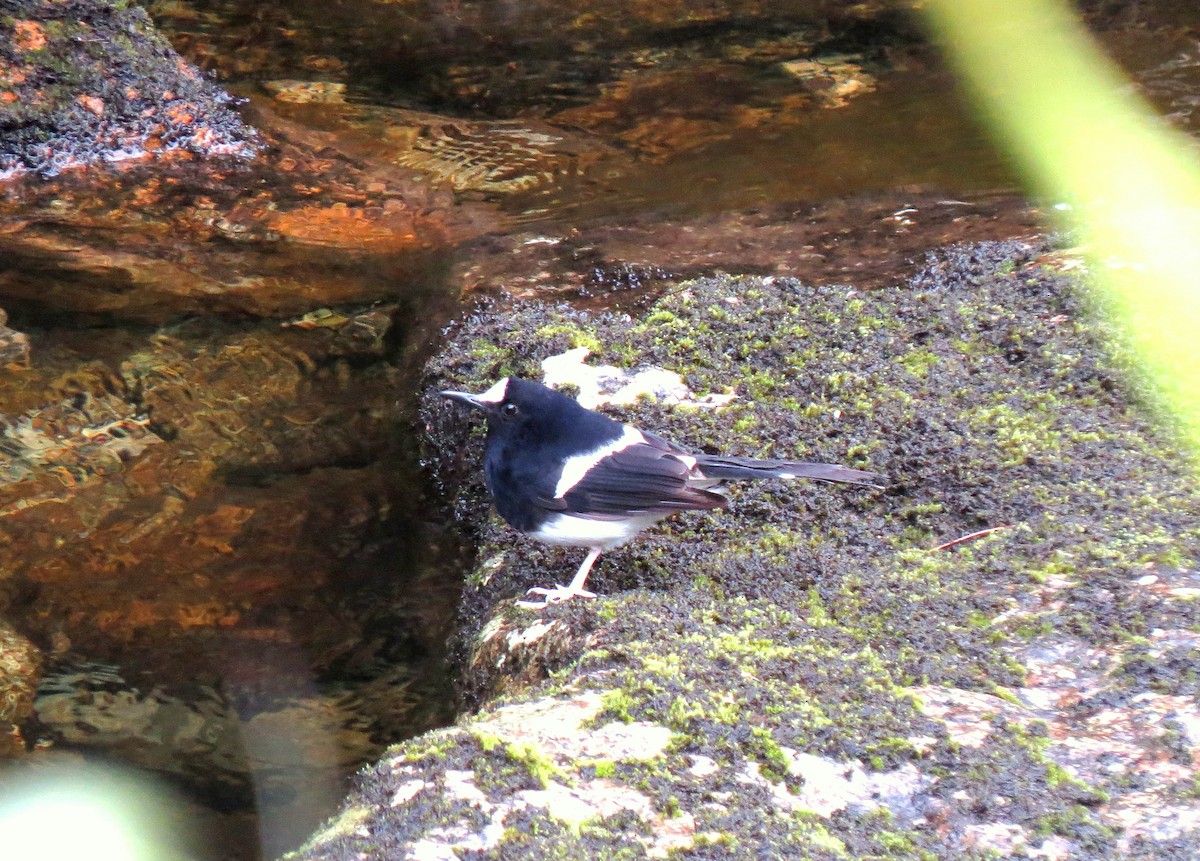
(745, 424)
(1057, 778)
(659, 318)
(716, 840)
(799, 617)
(1005, 694)
(571, 334)
(1031, 627)
(923, 509)
(810, 835)
(1019, 435)
(1073, 821)
(1189, 787)
(895, 843)
(487, 740)
(919, 362)
(759, 385)
(430, 746)
(616, 705)
(767, 751)
(814, 610)
(535, 761)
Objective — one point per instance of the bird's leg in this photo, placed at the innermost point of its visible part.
(575, 587)
(564, 593)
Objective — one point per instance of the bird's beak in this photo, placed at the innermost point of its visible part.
(465, 398)
(487, 401)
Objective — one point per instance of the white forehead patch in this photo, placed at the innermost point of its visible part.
(495, 394)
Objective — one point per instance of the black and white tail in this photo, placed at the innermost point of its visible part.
(713, 466)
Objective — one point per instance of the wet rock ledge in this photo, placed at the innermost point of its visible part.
(133, 191)
(992, 657)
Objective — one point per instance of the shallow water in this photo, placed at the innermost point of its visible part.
(911, 136)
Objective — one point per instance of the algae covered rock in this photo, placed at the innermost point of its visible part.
(984, 658)
(92, 81)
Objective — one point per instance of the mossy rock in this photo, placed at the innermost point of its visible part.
(839, 673)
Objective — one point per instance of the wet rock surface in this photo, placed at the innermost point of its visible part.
(477, 159)
(869, 241)
(189, 427)
(262, 223)
(533, 60)
(972, 661)
(295, 231)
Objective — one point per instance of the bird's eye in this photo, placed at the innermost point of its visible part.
(509, 409)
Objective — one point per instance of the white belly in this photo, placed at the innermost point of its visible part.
(572, 531)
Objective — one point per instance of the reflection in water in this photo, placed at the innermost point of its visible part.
(1174, 86)
(214, 531)
(911, 135)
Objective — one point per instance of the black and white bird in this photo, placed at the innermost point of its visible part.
(563, 474)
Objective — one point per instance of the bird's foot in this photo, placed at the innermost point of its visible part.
(553, 596)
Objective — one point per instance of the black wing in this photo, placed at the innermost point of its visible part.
(639, 479)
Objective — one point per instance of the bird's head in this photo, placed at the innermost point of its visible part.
(514, 402)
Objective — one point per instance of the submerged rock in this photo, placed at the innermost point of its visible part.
(14, 346)
(480, 158)
(20, 672)
(192, 524)
(926, 671)
(523, 60)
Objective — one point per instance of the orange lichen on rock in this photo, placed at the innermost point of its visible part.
(182, 113)
(12, 75)
(185, 69)
(28, 36)
(209, 614)
(91, 103)
(205, 138)
(140, 614)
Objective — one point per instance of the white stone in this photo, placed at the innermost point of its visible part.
(608, 384)
(406, 791)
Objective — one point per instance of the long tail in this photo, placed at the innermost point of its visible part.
(747, 467)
